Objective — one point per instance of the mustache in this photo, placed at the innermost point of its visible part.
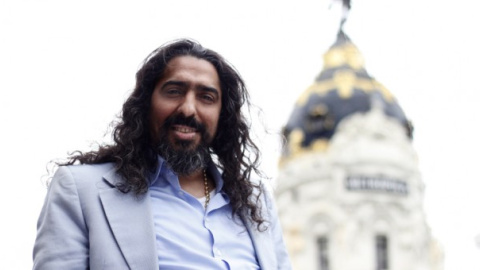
(181, 119)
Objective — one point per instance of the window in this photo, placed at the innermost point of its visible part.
(381, 243)
(322, 253)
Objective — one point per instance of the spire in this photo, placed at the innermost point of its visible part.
(346, 5)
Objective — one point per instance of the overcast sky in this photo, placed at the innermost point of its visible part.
(66, 67)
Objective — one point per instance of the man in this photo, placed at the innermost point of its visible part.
(173, 190)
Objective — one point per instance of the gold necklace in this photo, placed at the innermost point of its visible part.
(207, 193)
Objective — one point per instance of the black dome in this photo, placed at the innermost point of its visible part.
(342, 88)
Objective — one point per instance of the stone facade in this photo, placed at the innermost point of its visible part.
(357, 205)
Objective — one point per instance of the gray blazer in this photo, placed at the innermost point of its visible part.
(86, 223)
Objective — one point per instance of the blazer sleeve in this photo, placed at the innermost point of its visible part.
(62, 235)
(283, 260)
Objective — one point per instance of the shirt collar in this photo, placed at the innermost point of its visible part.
(163, 168)
(217, 176)
(155, 175)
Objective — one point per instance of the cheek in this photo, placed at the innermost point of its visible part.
(159, 112)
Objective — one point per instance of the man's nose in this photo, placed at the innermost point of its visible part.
(188, 106)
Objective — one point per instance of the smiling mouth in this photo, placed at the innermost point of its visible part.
(184, 129)
(184, 133)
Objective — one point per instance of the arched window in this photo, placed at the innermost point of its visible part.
(322, 253)
(381, 247)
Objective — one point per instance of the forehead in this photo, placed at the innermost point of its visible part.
(191, 66)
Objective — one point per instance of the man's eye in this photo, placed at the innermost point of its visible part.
(173, 91)
(208, 98)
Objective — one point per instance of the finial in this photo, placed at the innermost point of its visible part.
(346, 9)
(346, 5)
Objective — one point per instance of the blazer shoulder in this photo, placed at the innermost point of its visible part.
(85, 175)
(91, 169)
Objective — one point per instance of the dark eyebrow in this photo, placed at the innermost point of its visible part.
(176, 83)
(184, 84)
(209, 89)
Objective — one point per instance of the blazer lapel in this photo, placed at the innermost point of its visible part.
(131, 222)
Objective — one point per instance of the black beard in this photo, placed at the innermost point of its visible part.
(179, 155)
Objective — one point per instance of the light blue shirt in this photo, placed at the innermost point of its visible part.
(187, 236)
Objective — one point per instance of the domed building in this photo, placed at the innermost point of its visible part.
(349, 191)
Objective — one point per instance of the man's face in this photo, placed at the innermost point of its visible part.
(186, 104)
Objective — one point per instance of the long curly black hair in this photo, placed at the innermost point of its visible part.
(133, 150)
